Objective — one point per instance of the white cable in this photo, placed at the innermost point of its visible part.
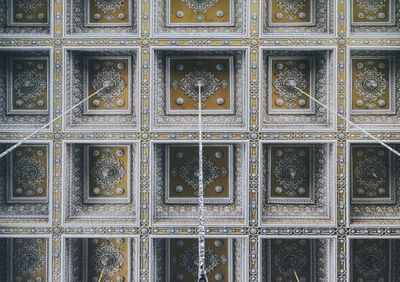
(9, 150)
(202, 231)
(350, 122)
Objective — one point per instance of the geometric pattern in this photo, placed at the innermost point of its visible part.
(28, 259)
(182, 259)
(288, 74)
(29, 13)
(107, 174)
(291, 175)
(372, 175)
(372, 87)
(28, 85)
(106, 259)
(183, 76)
(182, 165)
(28, 174)
(192, 12)
(335, 35)
(110, 77)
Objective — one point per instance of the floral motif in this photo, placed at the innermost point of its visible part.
(107, 258)
(291, 172)
(371, 6)
(290, 258)
(28, 259)
(199, 74)
(370, 258)
(371, 173)
(289, 77)
(111, 82)
(189, 172)
(109, 7)
(200, 7)
(190, 260)
(30, 85)
(28, 172)
(291, 7)
(370, 83)
(31, 5)
(107, 171)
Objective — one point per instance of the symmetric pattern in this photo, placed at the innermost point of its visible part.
(291, 177)
(107, 173)
(28, 85)
(28, 174)
(250, 37)
(214, 76)
(29, 13)
(182, 168)
(28, 259)
(106, 258)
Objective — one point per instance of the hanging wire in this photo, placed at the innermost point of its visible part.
(202, 231)
(350, 122)
(9, 150)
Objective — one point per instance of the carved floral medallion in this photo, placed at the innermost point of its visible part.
(292, 12)
(29, 13)
(371, 260)
(28, 174)
(194, 12)
(108, 13)
(107, 173)
(28, 259)
(372, 88)
(291, 176)
(370, 12)
(183, 259)
(213, 74)
(28, 85)
(287, 76)
(108, 258)
(110, 76)
(371, 175)
(182, 165)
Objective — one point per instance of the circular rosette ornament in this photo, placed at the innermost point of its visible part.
(30, 85)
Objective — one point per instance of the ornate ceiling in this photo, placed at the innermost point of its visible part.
(109, 192)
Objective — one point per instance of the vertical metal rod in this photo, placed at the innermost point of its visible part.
(202, 274)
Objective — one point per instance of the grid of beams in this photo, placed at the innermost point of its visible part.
(342, 230)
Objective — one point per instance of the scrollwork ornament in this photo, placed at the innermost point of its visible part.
(190, 170)
(189, 260)
(371, 6)
(29, 86)
(290, 172)
(110, 83)
(200, 7)
(31, 5)
(109, 7)
(188, 83)
(370, 83)
(28, 260)
(108, 259)
(370, 260)
(370, 173)
(291, 7)
(28, 172)
(107, 171)
(287, 79)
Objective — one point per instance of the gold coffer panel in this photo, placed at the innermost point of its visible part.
(28, 174)
(182, 263)
(182, 168)
(29, 12)
(107, 173)
(372, 175)
(27, 259)
(28, 85)
(372, 12)
(106, 259)
(192, 12)
(183, 76)
(108, 13)
(284, 13)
